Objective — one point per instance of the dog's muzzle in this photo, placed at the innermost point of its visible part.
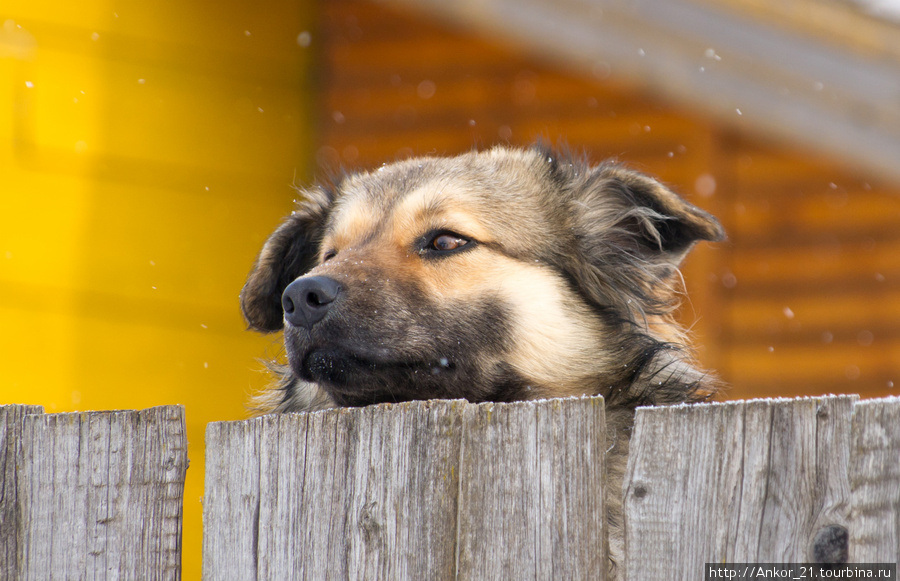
(307, 300)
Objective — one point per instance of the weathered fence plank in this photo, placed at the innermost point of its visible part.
(397, 492)
(100, 495)
(352, 493)
(10, 443)
(756, 481)
(231, 500)
(875, 481)
(531, 502)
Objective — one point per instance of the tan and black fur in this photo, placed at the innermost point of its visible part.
(499, 275)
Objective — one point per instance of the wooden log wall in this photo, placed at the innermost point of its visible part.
(803, 299)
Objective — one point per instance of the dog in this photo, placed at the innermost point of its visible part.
(501, 275)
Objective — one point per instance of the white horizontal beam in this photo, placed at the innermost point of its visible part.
(750, 73)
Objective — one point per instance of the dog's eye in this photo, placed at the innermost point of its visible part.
(329, 255)
(447, 242)
(439, 243)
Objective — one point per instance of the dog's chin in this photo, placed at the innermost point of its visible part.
(353, 379)
(333, 367)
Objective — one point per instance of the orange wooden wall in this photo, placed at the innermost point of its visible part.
(802, 299)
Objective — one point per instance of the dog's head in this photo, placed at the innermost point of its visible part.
(501, 275)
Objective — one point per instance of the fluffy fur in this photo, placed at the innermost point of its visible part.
(492, 276)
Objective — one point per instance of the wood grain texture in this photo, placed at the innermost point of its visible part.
(101, 494)
(418, 490)
(231, 498)
(364, 493)
(875, 481)
(451, 490)
(11, 417)
(755, 481)
(531, 502)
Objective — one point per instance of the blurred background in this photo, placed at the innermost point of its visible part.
(148, 148)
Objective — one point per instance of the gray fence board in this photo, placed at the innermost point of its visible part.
(451, 490)
(757, 481)
(531, 499)
(232, 495)
(100, 495)
(360, 494)
(11, 417)
(389, 492)
(875, 481)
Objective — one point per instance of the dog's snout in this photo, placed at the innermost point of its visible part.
(307, 300)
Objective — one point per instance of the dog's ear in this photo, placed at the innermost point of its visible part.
(661, 226)
(632, 233)
(291, 251)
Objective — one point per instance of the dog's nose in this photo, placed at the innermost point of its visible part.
(307, 300)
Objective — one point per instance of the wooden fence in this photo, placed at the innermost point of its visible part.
(451, 490)
(93, 495)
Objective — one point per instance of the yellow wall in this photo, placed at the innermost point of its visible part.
(146, 150)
